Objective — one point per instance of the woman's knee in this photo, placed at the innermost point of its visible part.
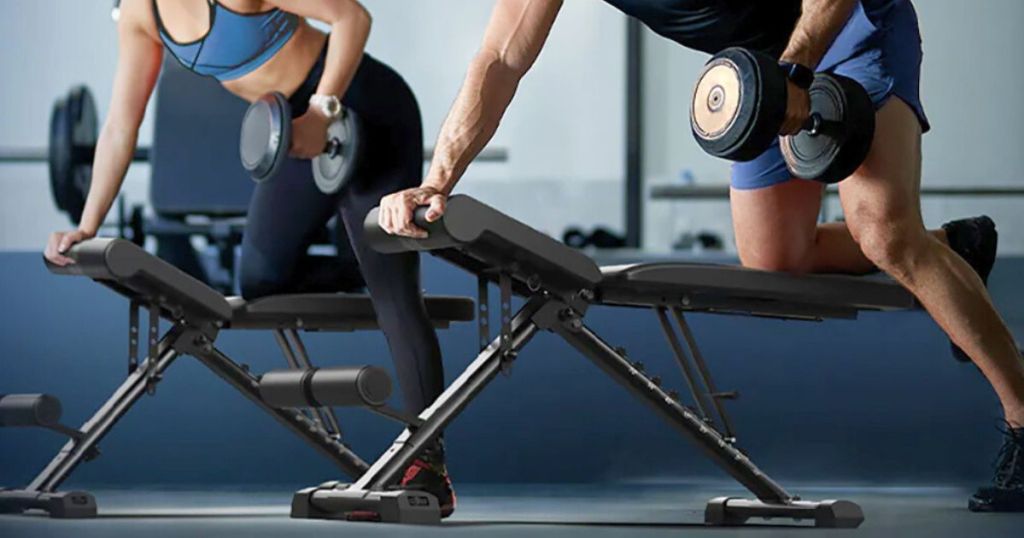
(259, 279)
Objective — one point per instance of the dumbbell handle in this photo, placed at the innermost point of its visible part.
(816, 125)
(333, 147)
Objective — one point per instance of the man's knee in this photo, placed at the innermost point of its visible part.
(890, 246)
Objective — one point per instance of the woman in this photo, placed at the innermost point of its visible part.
(254, 47)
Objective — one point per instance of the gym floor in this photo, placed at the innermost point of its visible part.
(513, 510)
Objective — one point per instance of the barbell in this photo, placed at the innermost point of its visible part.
(71, 148)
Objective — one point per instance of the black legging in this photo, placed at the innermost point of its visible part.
(287, 213)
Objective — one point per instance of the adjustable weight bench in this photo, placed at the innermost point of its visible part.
(197, 314)
(559, 285)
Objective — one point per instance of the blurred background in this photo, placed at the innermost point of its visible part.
(598, 136)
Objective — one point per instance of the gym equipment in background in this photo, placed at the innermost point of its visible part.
(559, 284)
(267, 134)
(600, 238)
(74, 130)
(739, 104)
(197, 315)
(197, 186)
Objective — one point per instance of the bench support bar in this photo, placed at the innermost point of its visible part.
(180, 339)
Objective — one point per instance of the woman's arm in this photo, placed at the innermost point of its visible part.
(350, 27)
(138, 65)
(819, 24)
(514, 38)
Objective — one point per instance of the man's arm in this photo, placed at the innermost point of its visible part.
(514, 38)
(819, 24)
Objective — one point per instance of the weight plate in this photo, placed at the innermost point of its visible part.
(738, 105)
(333, 169)
(265, 137)
(74, 129)
(716, 100)
(835, 152)
(860, 128)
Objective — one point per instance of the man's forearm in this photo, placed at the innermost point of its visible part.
(487, 91)
(819, 24)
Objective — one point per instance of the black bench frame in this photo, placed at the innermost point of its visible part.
(559, 284)
(198, 314)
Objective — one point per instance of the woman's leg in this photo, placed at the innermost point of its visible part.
(285, 214)
(392, 160)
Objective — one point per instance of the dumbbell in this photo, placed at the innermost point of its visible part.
(739, 105)
(266, 138)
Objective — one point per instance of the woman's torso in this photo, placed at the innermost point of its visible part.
(184, 25)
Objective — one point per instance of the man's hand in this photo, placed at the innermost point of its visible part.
(397, 210)
(309, 135)
(59, 244)
(798, 109)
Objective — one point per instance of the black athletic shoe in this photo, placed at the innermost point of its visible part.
(975, 240)
(1006, 494)
(428, 473)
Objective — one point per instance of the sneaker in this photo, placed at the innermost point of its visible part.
(975, 240)
(1006, 494)
(428, 473)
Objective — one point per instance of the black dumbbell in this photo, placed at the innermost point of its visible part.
(739, 105)
(266, 137)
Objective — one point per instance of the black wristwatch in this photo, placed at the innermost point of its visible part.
(798, 74)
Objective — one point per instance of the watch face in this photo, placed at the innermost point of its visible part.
(332, 106)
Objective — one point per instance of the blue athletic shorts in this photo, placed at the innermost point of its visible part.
(881, 51)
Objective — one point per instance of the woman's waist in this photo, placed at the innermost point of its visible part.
(286, 71)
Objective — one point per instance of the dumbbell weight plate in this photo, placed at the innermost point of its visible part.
(266, 136)
(73, 126)
(333, 169)
(738, 105)
(835, 152)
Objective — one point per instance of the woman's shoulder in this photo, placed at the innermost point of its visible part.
(139, 15)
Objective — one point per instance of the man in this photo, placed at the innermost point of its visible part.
(875, 42)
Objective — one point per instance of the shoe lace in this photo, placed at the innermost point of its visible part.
(1009, 461)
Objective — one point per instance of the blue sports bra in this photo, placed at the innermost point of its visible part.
(235, 44)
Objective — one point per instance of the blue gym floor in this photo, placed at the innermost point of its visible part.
(516, 510)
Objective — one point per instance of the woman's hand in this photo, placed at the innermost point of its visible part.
(59, 244)
(309, 134)
(398, 209)
(798, 109)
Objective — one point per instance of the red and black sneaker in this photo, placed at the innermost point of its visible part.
(431, 477)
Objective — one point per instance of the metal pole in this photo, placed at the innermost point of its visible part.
(634, 132)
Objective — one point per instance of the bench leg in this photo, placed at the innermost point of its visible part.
(41, 492)
(369, 494)
(239, 377)
(773, 501)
